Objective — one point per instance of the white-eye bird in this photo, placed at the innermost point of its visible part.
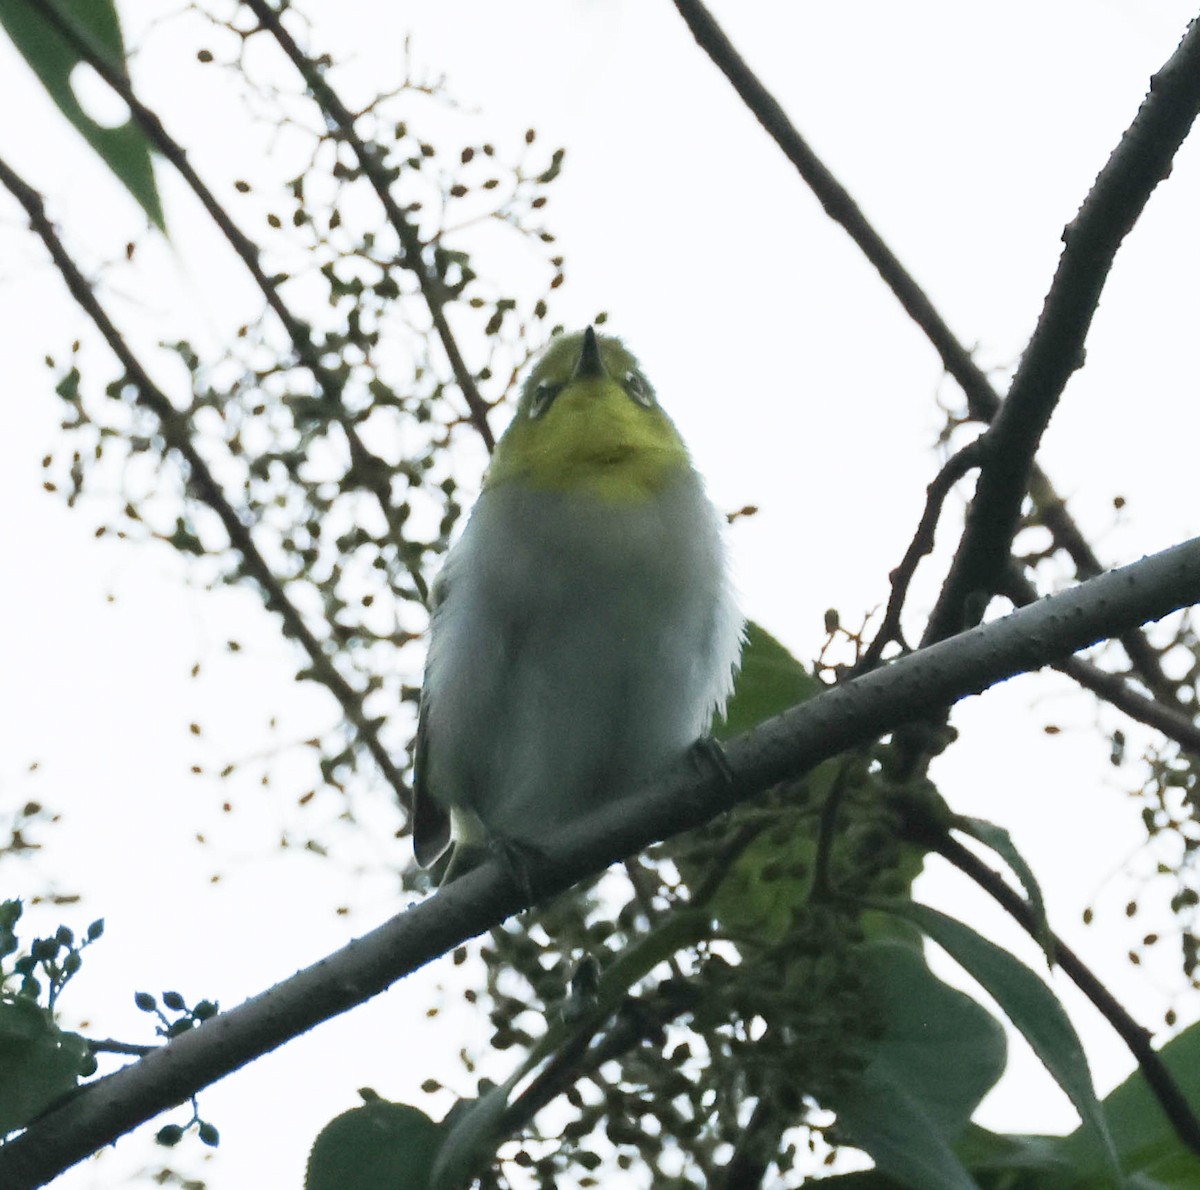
(584, 627)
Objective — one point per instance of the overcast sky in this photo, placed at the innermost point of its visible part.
(968, 133)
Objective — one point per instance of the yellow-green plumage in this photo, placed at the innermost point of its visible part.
(593, 436)
(584, 629)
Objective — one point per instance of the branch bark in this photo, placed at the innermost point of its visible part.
(338, 114)
(1140, 161)
(982, 399)
(1115, 689)
(844, 717)
(1136, 1037)
(373, 472)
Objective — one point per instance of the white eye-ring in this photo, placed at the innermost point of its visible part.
(638, 389)
(542, 396)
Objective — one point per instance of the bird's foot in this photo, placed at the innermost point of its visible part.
(708, 754)
(582, 995)
(518, 858)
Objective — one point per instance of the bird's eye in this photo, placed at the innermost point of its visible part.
(542, 396)
(638, 389)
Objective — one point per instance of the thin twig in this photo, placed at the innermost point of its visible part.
(1116, 690)
(840, 206)
(371, 472)
(723, 860)
(645, 899)
(202, 483)
(637, 1019)
(756, 1148)
(822, 880)
(371, 161)
(1139, 1039)
(1145, 659)
(108, 1046)
(921, 546)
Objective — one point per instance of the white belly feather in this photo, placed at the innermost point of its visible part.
(581, 645)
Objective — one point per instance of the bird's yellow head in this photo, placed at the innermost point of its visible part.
(588, 421)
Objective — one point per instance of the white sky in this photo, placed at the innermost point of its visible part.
(968, 133)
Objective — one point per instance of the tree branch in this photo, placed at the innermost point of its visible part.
(982, 399)
(635, 1020)
(757, 1147)
(846, 716)
(1140, 161)
(1067, 536)
(336, 112)
(840, 206)
(203, 484)
(1136, 1037)
(1113, 688)
(372, 472)
(921, 546)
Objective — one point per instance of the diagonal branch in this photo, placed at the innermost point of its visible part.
(846, 716)
(1136, 1037)
(982, 398)
(1140, 161)
(841, 207)
(371, 161)
(921, 546)
(1114, 689)
(1177, 725)
(756, 1149)
(202, 483)
(370, 470)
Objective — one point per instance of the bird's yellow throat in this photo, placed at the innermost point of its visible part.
(595, 440)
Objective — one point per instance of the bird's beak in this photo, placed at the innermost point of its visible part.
(590, 364)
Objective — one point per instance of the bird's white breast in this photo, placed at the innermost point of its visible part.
(580, 646)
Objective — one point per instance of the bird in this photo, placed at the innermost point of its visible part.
(584, 628)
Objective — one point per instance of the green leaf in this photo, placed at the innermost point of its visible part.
(376, 1146)
(1150, 1150)
(887, 1122)
(1145, 1139)
(124, 148)
(40, 1063)
(1030, 1005)
(769, 682)
(992, 1152)
(473, 1133)
(997, 839)
(938, 1054)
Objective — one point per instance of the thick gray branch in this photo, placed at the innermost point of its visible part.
(843, 717)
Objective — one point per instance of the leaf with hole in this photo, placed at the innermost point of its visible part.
(60, 66)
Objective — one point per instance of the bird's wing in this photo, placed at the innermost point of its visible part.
(430, 820)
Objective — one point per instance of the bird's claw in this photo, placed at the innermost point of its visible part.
(707, 754)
